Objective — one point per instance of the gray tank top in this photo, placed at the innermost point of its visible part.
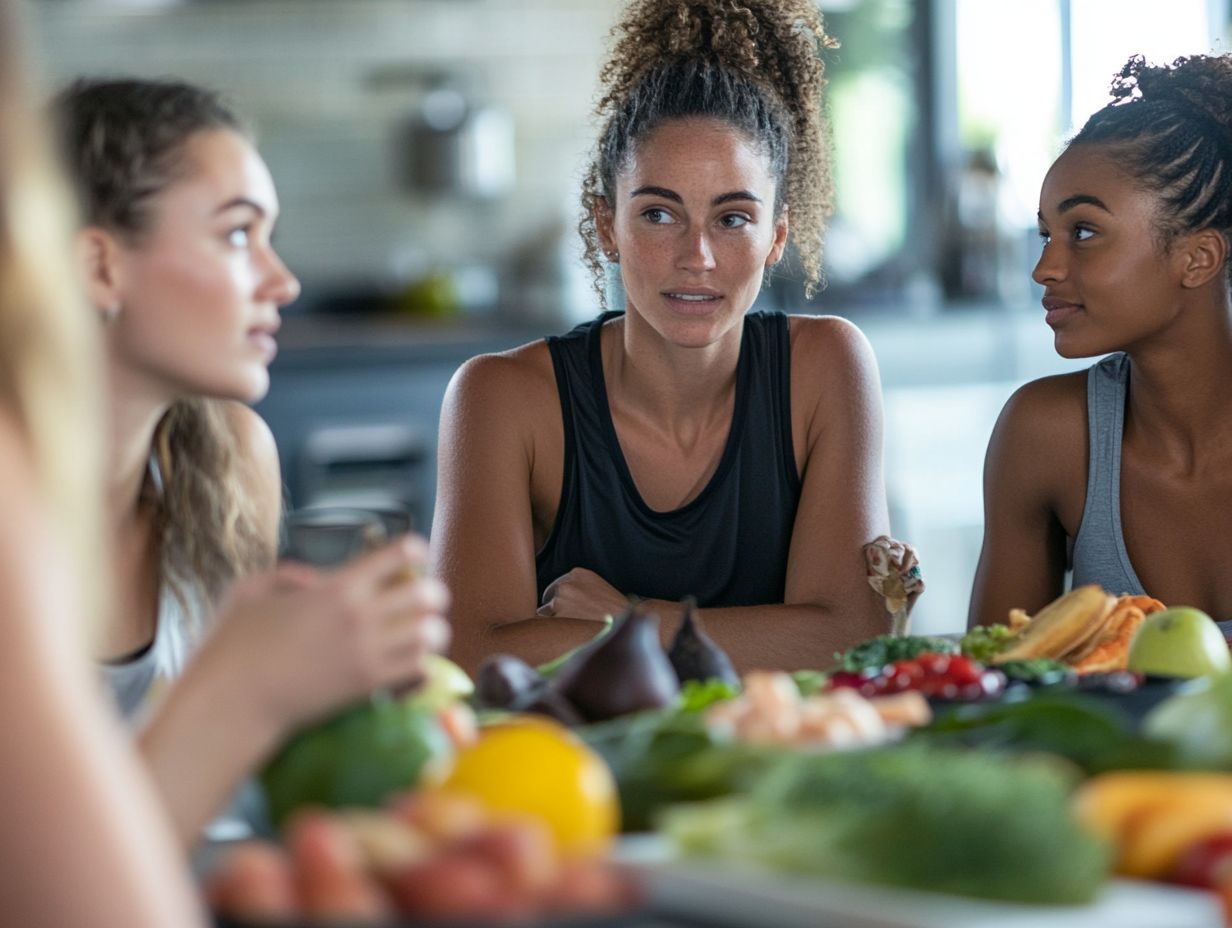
(1099, 550)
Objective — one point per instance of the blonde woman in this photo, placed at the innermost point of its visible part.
(84, 841)
(178, 211)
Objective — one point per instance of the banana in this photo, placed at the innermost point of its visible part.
(1063, 626)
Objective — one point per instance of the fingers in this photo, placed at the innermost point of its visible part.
(427, 634)
(402, 558)
(549, 604)
(425, 596)
(399, 661)
(876, 555)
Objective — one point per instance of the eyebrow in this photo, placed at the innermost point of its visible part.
(1078, 200)
(242, 201)
(676, 198)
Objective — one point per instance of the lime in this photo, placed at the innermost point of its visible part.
(358, 757)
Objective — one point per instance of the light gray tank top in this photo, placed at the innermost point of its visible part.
(1099, 550)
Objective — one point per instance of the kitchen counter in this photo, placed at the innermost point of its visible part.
(340, 341)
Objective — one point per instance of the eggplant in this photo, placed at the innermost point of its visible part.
(695, 656)
(627, 671)
(504, 681)
(546, 701)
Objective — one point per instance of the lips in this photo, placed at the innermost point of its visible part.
(263, 336)
(693, 299)
(1057, 311)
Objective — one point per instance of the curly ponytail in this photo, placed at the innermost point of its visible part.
(753, 64)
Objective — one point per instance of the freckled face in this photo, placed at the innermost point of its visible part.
(695, 229)
(202, 285)
(1107, 282)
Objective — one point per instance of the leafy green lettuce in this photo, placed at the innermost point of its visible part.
(947, 820)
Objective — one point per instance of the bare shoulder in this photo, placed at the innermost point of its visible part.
(1046, 412)
(821, 343)
(834, 375)
(252, 436)
(1037, 453)
(512, 386)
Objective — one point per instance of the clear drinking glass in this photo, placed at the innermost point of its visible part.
(328, 536)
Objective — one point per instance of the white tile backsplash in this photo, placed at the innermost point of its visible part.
(330, 86)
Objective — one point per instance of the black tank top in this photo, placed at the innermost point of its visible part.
(728, 546)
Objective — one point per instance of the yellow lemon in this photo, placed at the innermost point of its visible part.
(533, 766)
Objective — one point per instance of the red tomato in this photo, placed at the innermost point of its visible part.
(1206, 863)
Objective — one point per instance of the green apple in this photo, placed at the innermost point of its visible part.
(444, 682)
(1179, 642)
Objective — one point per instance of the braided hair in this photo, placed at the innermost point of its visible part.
(752, 64)
(1171, 129)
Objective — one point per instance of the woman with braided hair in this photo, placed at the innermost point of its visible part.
(683, 446)
(1124, 471)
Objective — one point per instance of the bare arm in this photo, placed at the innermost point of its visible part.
(84, 840)
(287, 646)
(1036, 455)
(828, 604)
(483, 531)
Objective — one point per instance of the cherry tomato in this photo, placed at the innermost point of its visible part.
(940, 676)
(1206, 863)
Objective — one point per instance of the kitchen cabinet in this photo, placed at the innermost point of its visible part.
(355, 406)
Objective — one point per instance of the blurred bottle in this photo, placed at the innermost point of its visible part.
(456, 145)
(972, 255)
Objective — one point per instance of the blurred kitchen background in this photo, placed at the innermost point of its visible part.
(428, 155)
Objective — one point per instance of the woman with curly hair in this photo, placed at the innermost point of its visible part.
(1123, 472)
(683, 446)
(178, 210)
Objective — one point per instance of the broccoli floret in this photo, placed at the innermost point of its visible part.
(984, 642)
(886, 649)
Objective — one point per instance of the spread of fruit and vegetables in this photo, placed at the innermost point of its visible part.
(1029, 762)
